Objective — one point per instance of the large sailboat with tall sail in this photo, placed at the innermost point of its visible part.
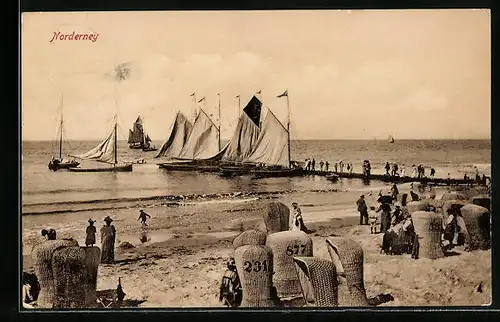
(59, 162)
(105, 152)
(272, 151)
(138, 138)
(192, 147)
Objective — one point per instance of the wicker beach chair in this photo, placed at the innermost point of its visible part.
(70, 277)
(320, 277)
(454, 196)
(92, 258)
(477, 221)
(42, 257)
(428, 227)
(347, 256)
(250, 237)
(285, 245)
(277, 217)
(483, 201)
(254, 264)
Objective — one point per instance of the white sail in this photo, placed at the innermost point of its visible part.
(203, 142)
(243, 141)
(271, 147)
(104, 152)
(173, 145)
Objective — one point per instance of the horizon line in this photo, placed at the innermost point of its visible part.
(336, 139)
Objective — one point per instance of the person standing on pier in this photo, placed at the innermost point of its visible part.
(335, 166)
(348, 167)
(363, 210)
(327, 164)
(108, 237)
(387, 168)
(423, 171)
(351, 169)
(91, 231)
(394, 170)
(321, 164)
(313, 164)
(341, 166)
(433, 172)
(403, 170)
(414, 171)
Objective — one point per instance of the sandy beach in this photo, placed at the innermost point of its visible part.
(182, 262)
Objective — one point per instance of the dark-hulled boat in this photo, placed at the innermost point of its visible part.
(138, 138)
(118, 168)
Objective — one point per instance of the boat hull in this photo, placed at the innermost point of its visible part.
(120, 168)
(277, 173)
(63, 165)
(149, 149)
(137, 147)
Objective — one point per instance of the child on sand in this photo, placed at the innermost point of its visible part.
(373, 220)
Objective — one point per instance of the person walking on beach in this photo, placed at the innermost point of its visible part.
(385, 218)
(387, 168)
(108, 237)
(373, 220)
(298, 221)
(327, 164)
(363, 210)
(143, 217)
(91, 231)
(321, 164)
(394, 191)
(313, 164)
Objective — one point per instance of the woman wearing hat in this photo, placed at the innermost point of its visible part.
(298, 222)
(91, 231)
(108, 235)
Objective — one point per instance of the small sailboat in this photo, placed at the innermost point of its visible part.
(138, 138)
(391, 139)
(106, 152)
(57, 163)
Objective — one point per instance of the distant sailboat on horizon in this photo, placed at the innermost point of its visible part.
(391, 139)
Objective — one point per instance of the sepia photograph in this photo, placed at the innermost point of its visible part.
(255, 159)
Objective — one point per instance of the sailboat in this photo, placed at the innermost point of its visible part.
(138, 138)
(61, 163)
(272, 150)
(106, 152)
(391, 139)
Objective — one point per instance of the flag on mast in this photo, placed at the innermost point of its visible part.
(201, 100)
(192, 94)
(259, 92)
(284, 94)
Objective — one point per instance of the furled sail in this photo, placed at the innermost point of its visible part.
(246, 134)
(203, 142)
(271, 147)
(104, 152)
(181, 129)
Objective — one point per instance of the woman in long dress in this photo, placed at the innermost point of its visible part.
(108, 235)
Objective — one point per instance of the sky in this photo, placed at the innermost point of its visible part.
(350, 74)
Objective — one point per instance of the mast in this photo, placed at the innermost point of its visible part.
(239, 105)
(288, 129)
(61, 134)
(116, 141)
(218, 94)
(195, 106)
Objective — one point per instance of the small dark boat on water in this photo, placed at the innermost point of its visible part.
(138, 139)
(60, 162)
(277, 173)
